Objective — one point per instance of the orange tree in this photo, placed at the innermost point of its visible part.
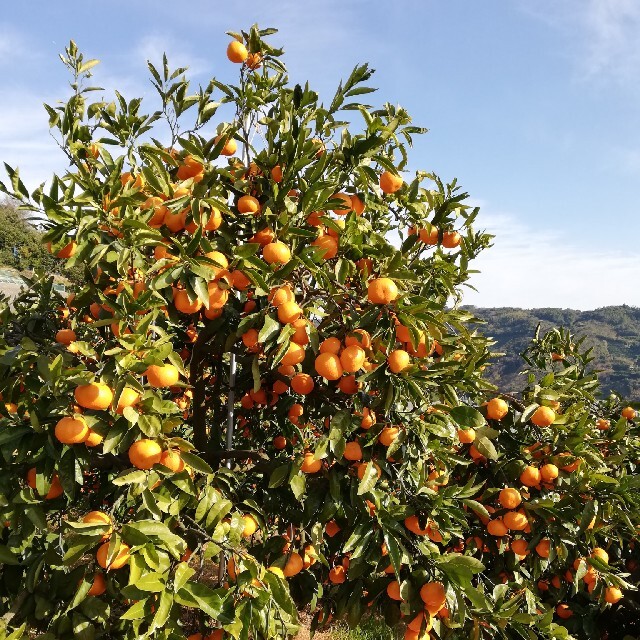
(261, 398)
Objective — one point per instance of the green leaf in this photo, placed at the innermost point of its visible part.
(196, 462)
(369, 479)
(182, 575)
(467, 417)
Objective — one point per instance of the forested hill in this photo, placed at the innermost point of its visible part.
(613, 332)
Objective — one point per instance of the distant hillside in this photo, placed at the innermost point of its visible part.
(613, 332)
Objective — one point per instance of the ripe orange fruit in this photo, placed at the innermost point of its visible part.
(276, 253)
(530, 477)
(497, 527)
(289, 312)
(549, 472)
(217, 299)
(276, 174)
(302, 383)
(629, 413)
(237, 52)
(388, 436)
(429, 236)
(328, 365)
(328, 246)
(413, 524)
(398, 360)
(393, 590)
(602, 424)
(279, 442)
(248, 204)
(348, 385)
(294, 565)
(451, 239)
(144, 453)
(309, 464)
(172, 459)
(600, 553)
(433, 595)
(99, 585)
(128, 398)
(95, 395)
(72, 430)
(294, 355)
(330, 345)
(162, 376)
(357, 205)
(94, 439)
(120, 559)
(229, 148)
(55, 488)
(353, 451)
(250, 525)
(332, 528)
(183, 304)
(368, 418)
(612, 595)
(509, 498)
(337, 575)
(466, 436)
(263, 237)
(345, 204)
(65, 336)
(543, 417)
(100, 517)
(67, 251)
(563, 611)
(280, 295)
(519, 547)
(352, 358)
(300, 335)
(497, 409)
(358, 337)
(362, 467)
(390, 182)
(220, 263)
(382, 291)
(543, 548)
(515, 520)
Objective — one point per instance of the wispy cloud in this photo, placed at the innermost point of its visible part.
(528, 267)
(603, 35)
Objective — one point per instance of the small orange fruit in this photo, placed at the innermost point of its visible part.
(398, 360)
(95, 395)
(65, 336)
(497, 409)
(302, 383)
(382, 291)
(328, 365)
(390, 182)
(510, 498)
(237, 52)
(144, 453)
(120, 559)
(543, 417)
(248, 204)
(162, 376)
(72, 430)
(276, 253)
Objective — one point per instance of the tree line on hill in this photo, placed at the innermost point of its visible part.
(21, 245)
(613, 333)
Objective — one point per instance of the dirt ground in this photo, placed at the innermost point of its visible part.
(304, 634)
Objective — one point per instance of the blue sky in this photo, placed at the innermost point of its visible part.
(534, 105)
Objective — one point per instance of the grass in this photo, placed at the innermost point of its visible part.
(370, 629)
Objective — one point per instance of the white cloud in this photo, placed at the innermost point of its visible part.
(604, 35)
(528, 267)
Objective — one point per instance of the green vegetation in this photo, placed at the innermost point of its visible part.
(612, 332)
(371, 629)
(21, 245)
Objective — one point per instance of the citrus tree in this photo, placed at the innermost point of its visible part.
(265, 396)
